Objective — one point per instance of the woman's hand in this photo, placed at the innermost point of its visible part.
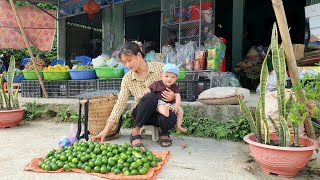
(100, 137)
(167, 95)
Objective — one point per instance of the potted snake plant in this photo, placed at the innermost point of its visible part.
(278, 153)
(10, 111)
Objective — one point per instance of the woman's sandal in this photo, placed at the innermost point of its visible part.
(132, 138)
(162, 141)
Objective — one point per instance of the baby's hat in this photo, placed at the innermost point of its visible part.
(172, 68)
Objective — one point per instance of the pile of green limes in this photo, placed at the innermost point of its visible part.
(101, 158)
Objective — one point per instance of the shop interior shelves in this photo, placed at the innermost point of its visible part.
(185, 24)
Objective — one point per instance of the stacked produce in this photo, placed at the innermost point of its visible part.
(101, 158)
(39, 63)
(57, 67)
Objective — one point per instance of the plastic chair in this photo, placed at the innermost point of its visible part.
(85, 60)
(57, 61)
(25, 61)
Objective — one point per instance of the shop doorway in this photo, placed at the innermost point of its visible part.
(259, 18)
(144, 28)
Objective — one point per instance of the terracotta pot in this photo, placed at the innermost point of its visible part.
(283, 161)
(10, 118)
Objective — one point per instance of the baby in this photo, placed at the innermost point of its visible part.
(169, 76)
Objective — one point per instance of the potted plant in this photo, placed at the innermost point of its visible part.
(10, 112)
(278, 153)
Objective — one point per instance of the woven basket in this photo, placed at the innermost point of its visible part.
(100, 108)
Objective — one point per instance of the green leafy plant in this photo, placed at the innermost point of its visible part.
(127, 119)
(289, 111)
(34, 111)
(67, 115)
(200, 125)
(9, 100)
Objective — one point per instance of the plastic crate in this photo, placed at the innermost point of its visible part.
(109, 84)
(31, 89)
(187, 88)
(56, 89)
(190, 89)
(76, 87)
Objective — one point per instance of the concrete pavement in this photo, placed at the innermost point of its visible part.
(202, 159)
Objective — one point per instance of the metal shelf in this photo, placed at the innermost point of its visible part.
(177, 20)
(185, 24)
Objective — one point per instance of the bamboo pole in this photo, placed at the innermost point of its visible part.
(29, 48)
(290, 57)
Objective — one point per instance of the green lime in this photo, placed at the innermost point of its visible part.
(125, 169)
(48, 167)
(61, 164)
(66, 167)
(104, 153)
(126, 173)
(120, 166)
(134, 165)
(96, 169)
(134, 172)
(103, 147)
(117, 171)
(125, 146)
(83, 159)
(144, 159)
(111, 163)
(124, 157)
(79, 166)
(87, 169)
(63, 158)
(97, 150)
(109, 149)
(110, 154)
(41, 163)
(91, 164)
(139, 162)
(146, 165)
(153, 164)
(130, 160)
(120, 161)
(98, 162)
(104, 169)
(143, 171)
(75, 160)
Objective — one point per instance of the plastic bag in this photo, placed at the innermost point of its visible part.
(185, 55)
(113, 62)
(170, 55)
(99, 61)
(228, 79)
(68, 140)
(150, 56)
(210, 41)
(272, 82)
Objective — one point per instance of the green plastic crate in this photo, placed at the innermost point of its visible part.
(31, 74)
(107, 72)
